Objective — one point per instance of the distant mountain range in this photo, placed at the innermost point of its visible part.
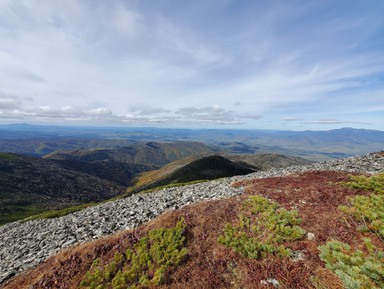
(314, 145)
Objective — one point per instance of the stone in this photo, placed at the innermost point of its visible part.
(43, 238)
(310, 236)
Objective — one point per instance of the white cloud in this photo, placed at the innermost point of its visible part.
(292, 119)
(123, 60)
(213, 114)
(99, 111)
(332, 121)
(8, 102)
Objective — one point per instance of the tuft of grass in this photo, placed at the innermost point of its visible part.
(146, 264)
(356, 269)
(262, 229)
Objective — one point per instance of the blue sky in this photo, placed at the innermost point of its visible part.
(219, 63)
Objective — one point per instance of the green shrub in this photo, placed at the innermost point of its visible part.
(262, 229)
(374, 183)
(367, 210)
(146, 264)
(356, 269)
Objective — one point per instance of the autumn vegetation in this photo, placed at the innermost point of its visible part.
(309, 230)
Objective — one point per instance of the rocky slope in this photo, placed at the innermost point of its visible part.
(36, 240)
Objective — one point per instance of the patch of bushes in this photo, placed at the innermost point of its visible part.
(355, 268)
(146, 264)
(374, 183)
(367, 210)
(262, 229)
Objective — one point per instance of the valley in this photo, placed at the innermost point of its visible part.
(50, 168)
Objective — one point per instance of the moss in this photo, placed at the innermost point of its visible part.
(262, 229)
(146, 264)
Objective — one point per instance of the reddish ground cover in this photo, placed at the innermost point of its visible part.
(316, 196)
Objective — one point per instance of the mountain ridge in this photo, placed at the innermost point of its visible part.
(322, 187)
(314, 145)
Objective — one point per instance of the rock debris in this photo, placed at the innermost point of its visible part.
(24, 245)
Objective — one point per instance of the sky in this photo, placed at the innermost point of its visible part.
(276, 64)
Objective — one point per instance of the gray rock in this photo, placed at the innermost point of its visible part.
(23, 245)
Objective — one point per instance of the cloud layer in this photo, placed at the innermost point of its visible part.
(284, 64)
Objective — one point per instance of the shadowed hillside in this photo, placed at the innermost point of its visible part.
(29, 185)
(205, 168)
(212, 167)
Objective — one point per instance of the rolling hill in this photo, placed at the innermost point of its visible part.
(213, 167)
(143, 153)
(205, 168)
(30, 185)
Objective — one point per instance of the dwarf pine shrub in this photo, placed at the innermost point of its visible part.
(374, 183)
(367, 210)
(146, 264)
(357, 270)
(262, 229)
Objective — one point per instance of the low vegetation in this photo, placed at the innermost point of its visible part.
(262, 229)
(256, 240)
(146, 264)
(356, 268)
(58, 213)
(374, 183)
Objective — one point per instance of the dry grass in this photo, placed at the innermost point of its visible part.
(316, 196)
